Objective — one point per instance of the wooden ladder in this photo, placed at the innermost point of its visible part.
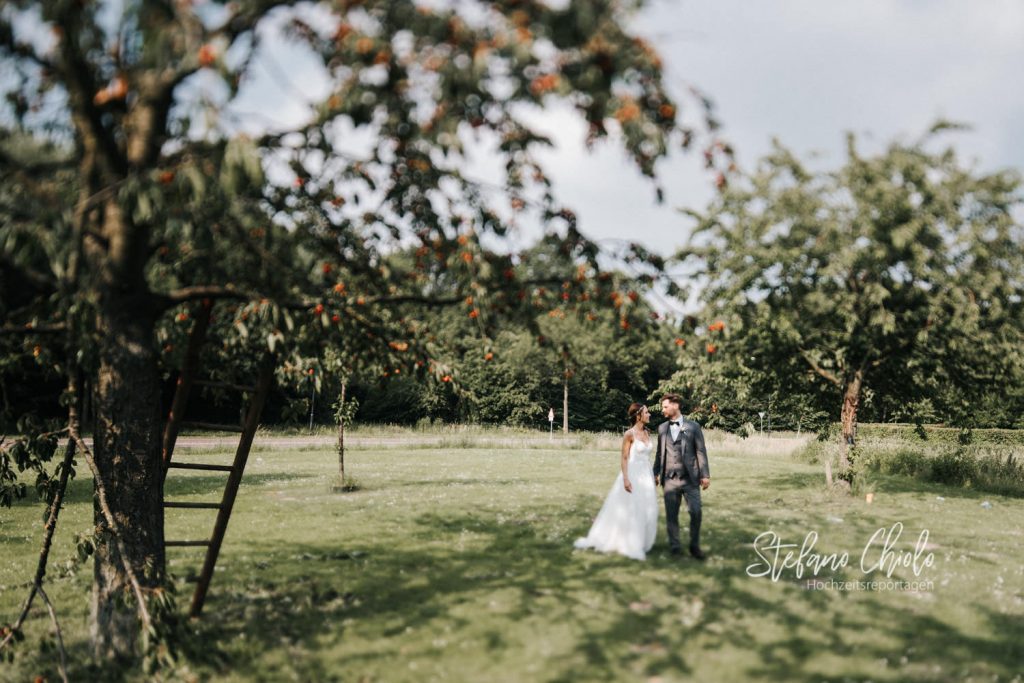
(175, 422)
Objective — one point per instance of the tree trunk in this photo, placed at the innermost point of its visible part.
(851, 401)
(127, 437)
(126, 415)
(341, 437)
(565, 403)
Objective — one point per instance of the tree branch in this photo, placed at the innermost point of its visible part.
(44, 553)
(415, 299)
(197, 292)
(73, 387)
(81, 86)
(820, 370)
(63, 668)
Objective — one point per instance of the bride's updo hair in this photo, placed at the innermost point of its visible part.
(634, 412)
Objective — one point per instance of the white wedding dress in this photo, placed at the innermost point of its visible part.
(628, 522)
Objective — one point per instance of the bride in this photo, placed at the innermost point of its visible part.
(628, 520)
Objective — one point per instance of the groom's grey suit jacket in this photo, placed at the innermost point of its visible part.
(686, 452)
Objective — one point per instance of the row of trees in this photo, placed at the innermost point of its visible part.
(889, 289)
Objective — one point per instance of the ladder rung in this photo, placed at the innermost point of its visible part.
(224, 385)
(202, 506)
(211, 426)
(182, 544)
(200, 466)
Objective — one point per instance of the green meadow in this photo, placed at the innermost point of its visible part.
(454, 562)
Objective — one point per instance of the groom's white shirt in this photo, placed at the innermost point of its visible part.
(674, 430)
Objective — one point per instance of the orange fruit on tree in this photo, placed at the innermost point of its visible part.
(207, 55)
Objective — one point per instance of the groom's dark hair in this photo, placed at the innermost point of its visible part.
(673, 398)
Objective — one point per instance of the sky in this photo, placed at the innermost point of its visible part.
(802, 71)
(807, 71)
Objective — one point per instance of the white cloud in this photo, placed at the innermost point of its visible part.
(807, 71)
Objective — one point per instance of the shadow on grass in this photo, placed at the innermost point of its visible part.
(446, 482)
(423, 585)
(798, 481)
(413, 587)
(214, 484)
(80, 490)
(899, 483)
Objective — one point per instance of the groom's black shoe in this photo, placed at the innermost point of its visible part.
(697, 553)
(675, 551)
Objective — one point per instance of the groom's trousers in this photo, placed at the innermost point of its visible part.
(676, 489)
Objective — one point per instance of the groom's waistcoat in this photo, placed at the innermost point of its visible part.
(687, 454)
(674, 457)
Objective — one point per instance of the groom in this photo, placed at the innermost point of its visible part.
(681, 468)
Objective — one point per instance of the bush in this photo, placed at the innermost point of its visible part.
(955, 468)
(1001, 476)
(935, 434)
(905, 461)
(985, 464)
(812, 453)
(862, 464)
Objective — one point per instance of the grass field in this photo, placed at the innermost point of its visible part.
(456, 564)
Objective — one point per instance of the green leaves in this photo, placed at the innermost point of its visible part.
(882, 266)
(28, 451)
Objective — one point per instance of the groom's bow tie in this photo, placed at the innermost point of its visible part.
(677, 423)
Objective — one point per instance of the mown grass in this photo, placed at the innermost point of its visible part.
(457, 564)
